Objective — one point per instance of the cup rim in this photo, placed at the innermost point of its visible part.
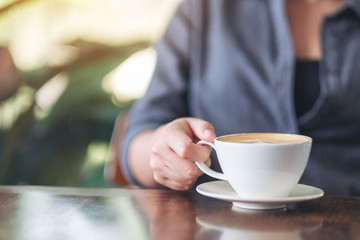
(307, 139)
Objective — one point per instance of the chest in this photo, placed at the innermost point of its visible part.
(246, 78)
(305, 19)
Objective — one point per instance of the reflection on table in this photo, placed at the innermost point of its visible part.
(34, 212)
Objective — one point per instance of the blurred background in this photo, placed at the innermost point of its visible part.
(68, 69)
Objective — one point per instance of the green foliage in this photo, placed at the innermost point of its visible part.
(52, 150)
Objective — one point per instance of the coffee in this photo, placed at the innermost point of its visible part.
(264, 138)
(268, 165)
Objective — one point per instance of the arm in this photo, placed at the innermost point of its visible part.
(154, 116)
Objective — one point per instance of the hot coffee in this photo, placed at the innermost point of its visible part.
(260, 165)
(264, 138)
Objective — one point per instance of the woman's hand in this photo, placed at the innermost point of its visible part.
(175, 151)
(167, 155)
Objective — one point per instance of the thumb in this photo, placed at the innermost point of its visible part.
(201, 129)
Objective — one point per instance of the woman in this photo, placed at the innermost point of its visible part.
(251, 66)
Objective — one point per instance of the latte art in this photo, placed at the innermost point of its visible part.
(261, 138)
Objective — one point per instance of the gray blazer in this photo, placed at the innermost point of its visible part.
(231, 62)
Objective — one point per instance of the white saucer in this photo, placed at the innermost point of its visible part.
(222, 190)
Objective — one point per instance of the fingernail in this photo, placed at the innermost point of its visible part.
(207, 132)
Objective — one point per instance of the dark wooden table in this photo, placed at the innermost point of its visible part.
(33, 212)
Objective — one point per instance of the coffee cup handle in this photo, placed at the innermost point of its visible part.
(205, 169)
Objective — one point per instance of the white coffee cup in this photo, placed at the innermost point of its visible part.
(260, 165)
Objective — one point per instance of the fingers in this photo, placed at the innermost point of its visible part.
(172, 171)
(183, 134)
(201, 129)
(175, 151)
